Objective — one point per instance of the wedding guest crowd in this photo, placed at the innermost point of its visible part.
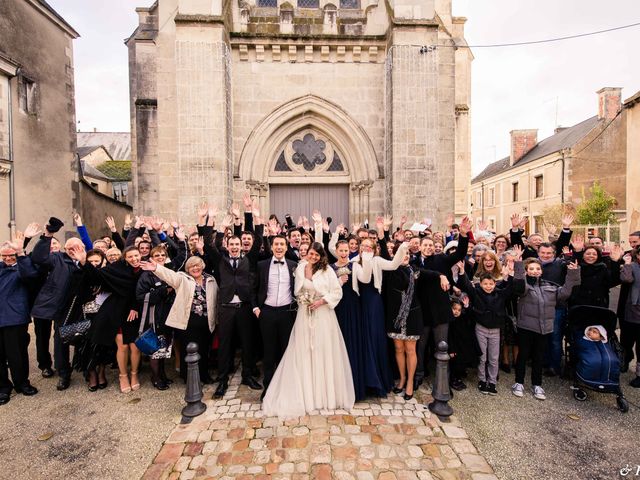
(321, 315)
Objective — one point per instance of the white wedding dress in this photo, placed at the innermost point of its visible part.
(314, 373)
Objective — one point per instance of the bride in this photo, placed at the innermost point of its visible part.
(314, 373)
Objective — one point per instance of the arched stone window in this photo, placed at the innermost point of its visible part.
(309, 152)
(267, 3)
(349, 3)
(308, 3)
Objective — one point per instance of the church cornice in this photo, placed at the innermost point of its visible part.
(185, 18)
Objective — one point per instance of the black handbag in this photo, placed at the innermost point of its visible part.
(74, 333)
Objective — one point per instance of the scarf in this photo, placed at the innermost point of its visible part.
(400, 322)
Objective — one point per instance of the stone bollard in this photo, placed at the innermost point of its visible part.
(441, 390)
(193, 394)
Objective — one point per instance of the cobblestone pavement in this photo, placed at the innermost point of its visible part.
(385, 440)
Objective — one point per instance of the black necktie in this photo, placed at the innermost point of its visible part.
(278, 262)
(234, 262)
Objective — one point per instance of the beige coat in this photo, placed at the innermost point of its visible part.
(185, 286)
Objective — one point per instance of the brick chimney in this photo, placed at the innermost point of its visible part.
(609, 102)
(522, 141)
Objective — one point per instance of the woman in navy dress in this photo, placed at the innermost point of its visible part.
(350, 319)
(367, 282)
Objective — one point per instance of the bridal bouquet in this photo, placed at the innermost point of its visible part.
(306, 298)
(341, 271)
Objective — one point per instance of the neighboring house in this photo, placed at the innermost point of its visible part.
(556, 170)
(118, 144)
(38, 171)
(632, 220)
(107, 176)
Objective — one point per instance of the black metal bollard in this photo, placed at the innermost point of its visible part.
(193, 394)
(441, 390)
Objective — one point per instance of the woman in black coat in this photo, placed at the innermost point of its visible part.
(597, 277)
(118, 316)
(403, 314)
(155, 299)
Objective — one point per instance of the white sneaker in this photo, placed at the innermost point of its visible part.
(538, 392)
(518, 389)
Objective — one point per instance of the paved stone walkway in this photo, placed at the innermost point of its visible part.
(384, 440)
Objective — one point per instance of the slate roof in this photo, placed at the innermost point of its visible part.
(118, 144)
(566, 138)
(84, 151)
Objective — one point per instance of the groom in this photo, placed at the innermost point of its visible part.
(275, 305)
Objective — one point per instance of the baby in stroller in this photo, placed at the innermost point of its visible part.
(596, 361)
(595, 333)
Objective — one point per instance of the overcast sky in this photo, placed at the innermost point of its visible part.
(536, 86)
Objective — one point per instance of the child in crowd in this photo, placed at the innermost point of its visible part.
(488, 306)
(536, 314)
(463, 345)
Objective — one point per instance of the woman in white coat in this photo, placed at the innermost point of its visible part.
(314, 373)
(193, 312)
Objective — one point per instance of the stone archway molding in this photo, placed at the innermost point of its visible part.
(265, 142)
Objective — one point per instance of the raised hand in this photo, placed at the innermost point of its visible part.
(247, 202)
(235, 210)
(179, 233)
(32, 230)
(616, 253)
(387, 220)
(465, 226)
(403, 220)
(567, 220)
(340, 228)
(255, 208)
(523, 222)
(305, 223)
(127, 221)
(316, 216)
(111, 223)
(515, 220)
(380, 224)
(482, 225)
(200, 245)
(139, 222)
(355, 227)
(517, 252)
(203, 208)
(227, 221)
(325, 226)
(77, 219)
(572, 265)
(578, 243)
(450, 220)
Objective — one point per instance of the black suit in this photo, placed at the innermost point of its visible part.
(233, 316)
(276, 322)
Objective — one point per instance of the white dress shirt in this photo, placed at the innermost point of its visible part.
(279, 286)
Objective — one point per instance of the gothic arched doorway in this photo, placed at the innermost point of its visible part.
(309, 153)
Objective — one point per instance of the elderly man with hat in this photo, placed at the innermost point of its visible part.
(15, 271)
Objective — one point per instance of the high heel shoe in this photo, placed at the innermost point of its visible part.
(92, 388)
(102, 386)
(135, 385)
(397, 390)
(125, 387)
(407, 397)
(160, 385)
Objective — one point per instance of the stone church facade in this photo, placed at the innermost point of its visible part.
(357, 107)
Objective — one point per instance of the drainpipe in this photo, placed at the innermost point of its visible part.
(562, 159)
(12, 187)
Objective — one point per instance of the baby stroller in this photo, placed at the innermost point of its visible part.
(596, 364)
